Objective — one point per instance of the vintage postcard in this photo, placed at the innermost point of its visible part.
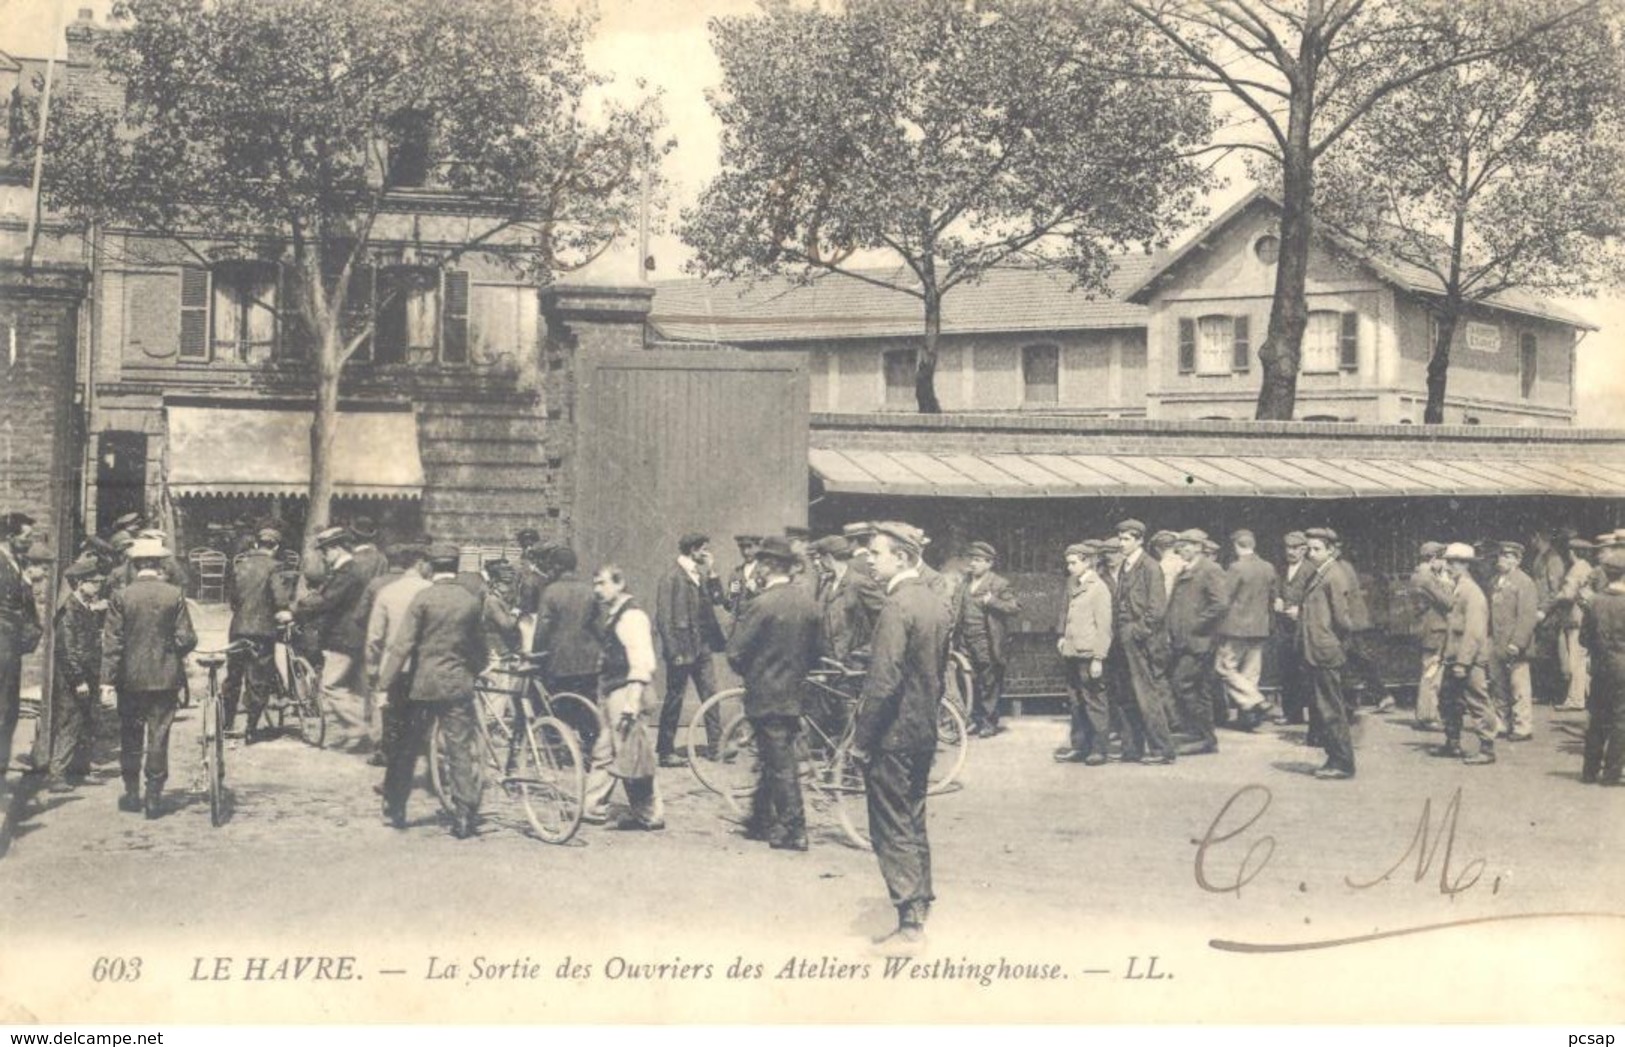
(811, 511)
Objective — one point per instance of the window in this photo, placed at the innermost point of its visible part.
(900, 365)
(409, 134)
(245, 311)
(1528, 361)
(1268, 249)
(1214, 345)
(1041, 374)
(505, 323)
(1331, 343)
(408, 314)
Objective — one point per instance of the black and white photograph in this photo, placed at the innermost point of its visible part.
(716, 512)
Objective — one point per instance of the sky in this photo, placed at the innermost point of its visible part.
(665, 44)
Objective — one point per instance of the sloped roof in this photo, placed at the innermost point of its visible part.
(844, 307)
(1404, 275)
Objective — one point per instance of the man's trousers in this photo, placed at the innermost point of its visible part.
(1141, 688)
(703, 673)
(896, 784)
(410, 724)
(776, 810)
(250, 674)
(73, 719)
(1188, 678)
(1091, 715)
(1239, 664)
(1427, 687)
(1605, 734)
(145, 718)
(1464, 702)
(989, 686)
(1328, 716)
(1514, 698)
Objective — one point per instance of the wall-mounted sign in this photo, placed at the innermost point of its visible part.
(1483, 338)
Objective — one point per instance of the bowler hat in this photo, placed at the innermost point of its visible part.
(364, 527)
(1460, 552)
(984, 550)
(1131, 526)
(331, 536)
(776, 548)
(528, 536)
(797, 531)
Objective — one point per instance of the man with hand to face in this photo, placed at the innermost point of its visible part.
(895, 733)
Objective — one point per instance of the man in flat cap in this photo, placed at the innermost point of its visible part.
(333, 613)
(1163, 546)
(1602, 630)
(1085, 643)
(741, 587)
(442, 640)
(1431, 593)
(1464, 698)
(982, 615)
(257, 595)
(1251, 585)
(849, 602)
(1513, 609)
(895, 730)
(1296, 571)
(1139, 659)
(686, 617)
(76, 684)
(1325, 623)
(773, 647)
(146, 637)
(1195, 608)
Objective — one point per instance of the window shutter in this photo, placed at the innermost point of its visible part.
(194, 313)
(358, 310)
(293, 337)
(1242, 358)
(454, 317)
(1348, 345)
(1187, 346)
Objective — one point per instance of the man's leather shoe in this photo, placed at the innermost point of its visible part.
(1478, 759)
(594, 817)
(1333, 774)
(1093, 760)
(632, 823)
(465, 826)
(797, 842)
(673, 760)
(1068, 756)
(394, 817)
(1524, 737)
(1159, 761)
(1447, 750)
(906, 940)
(155, 804)
(130, 803)
(1198, 748)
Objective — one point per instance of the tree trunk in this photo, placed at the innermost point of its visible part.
(925, 370)
(1439, 363)
(324, 427)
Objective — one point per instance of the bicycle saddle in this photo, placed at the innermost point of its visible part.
(211, 661)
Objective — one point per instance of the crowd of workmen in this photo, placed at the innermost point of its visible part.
(1159, 643)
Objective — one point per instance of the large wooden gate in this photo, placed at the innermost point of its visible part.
(669, 442)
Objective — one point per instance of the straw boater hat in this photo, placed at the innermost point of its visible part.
(1460, 552)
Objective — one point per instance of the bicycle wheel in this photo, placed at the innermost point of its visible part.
(307, 702)
(214, 758)
(440, 769)
(953, 742)
(578, 713)
(722, 708)
(959, 684)
(843, 780)
(550, 781)
(733, 775)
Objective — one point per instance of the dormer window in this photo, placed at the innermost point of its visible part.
(409, 133)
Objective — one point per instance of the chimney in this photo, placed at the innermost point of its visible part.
(81, 36)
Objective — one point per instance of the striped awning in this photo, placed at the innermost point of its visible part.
(255, 451)
(1008, 475)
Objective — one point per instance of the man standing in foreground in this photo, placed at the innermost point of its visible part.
(1512, 633)
(1325, 624)
(1138, 665)
(896, 727)
(773, 646)
(625, 670)
(1465, 692)
(986, 603)
(441, 639)
(685, 614)
(1245, 628)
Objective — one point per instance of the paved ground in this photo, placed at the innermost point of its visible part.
(1089, 869)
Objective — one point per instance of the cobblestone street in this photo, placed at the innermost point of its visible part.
(1033, 861)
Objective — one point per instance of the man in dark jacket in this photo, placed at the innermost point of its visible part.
(19, 629)
(1430, 600)
(1464, 698)
(333, 613)
(257, 594)
(1245, 628)
(773, 646)
(443, 641)
(1325, 623)
(741, 588)
(1195, 608)
(1295, 574)
(1138, 665)
(370, 561)
(686, 618)
(565, 612)
(76, 685)
(145, 640)
(984, 607)
(895, 734)
(850, 601)
(1602, 631)
(1513, 609)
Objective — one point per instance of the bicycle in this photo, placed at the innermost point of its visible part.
(536, 760)
(298, 690)
(828, 725)
(579, 713)
(212, 735)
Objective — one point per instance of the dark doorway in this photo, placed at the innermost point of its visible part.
(121, 477)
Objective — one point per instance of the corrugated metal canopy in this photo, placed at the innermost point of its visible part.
(233, 450)
(1009, 475)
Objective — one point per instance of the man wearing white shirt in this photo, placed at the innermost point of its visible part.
(625, 671)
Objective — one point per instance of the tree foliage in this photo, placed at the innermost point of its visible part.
(949, 137)
(1303, 74)
(283, 127)
(1493, 177)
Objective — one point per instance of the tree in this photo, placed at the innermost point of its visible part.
(1492, 178)
(293, 127)
(951, 137)
(1309, 71)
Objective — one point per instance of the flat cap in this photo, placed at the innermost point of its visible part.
(1087, 550)
(859, 529)
(156, 534)
(82, 568)
(121, 541)
(331, 536)
(747, 539)
(1242, 532)
(1431, 549)
(1515, 548)
(1325, 534)
(902, 533)
(269, 534)
(983, 549)
(1194, 534)
(444, 552)
(1131, 526)
(833, 545)
(127, 520)
(1461, 552)
(1294, 539)
(775, 547)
